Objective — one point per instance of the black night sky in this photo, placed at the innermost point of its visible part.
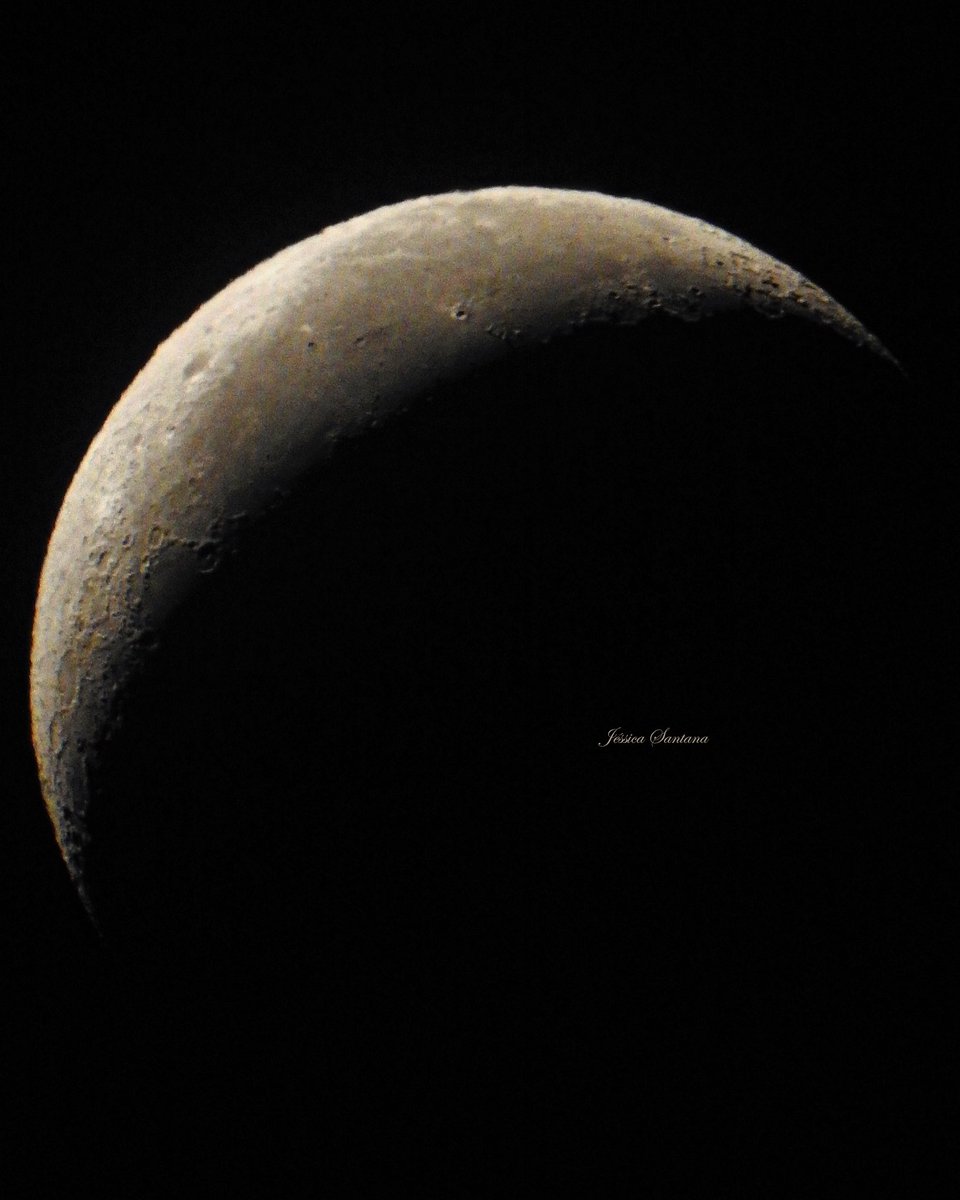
(458, 947)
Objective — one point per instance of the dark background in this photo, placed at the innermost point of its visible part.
(722, 967)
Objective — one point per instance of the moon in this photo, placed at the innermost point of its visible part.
(313, 347)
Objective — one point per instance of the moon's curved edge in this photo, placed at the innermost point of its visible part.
(315, 344)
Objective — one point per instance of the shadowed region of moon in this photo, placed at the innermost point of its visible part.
(390, 702)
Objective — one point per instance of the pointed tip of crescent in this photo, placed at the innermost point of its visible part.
(869, 341)
(879, 348)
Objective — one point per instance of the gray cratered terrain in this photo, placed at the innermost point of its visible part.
(319, 343)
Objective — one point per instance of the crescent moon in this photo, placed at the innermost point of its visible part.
(317, 344)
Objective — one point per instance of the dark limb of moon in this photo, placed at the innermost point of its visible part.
(257, 394)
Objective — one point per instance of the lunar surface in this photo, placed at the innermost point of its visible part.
(325, 341)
